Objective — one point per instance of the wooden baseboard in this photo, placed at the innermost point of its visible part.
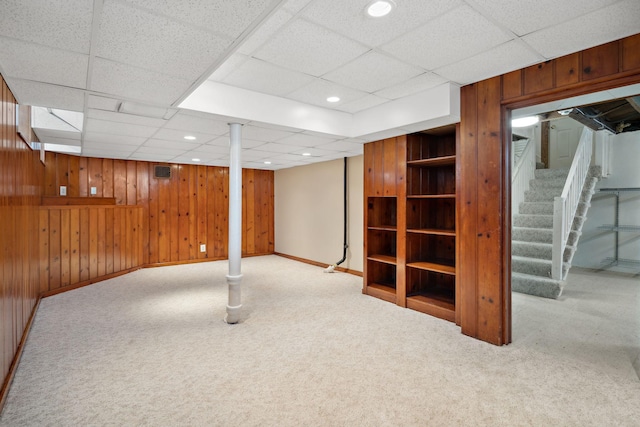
(86, 282)
(319, 264)
(194, 261)
(4, 391)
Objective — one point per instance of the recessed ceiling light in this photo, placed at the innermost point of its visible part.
(525, 121)
(267, 162)
(195, 160)
(306, 154)
(380, 8)
(190, 137)
(333, 99)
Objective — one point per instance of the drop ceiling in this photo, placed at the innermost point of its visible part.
(146, 73)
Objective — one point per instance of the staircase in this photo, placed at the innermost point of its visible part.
(532, 236)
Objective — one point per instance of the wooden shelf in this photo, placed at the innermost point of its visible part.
(433, 231)
(382, 291)
(431, 196)
(438, 305)
(387, 259)
(432, 266)
(434, 161)
(383, 228)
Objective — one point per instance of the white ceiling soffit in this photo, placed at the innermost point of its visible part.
(271, 64)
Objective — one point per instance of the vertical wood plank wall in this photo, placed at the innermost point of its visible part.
(21, 175)
(484, 212)
(180, 213)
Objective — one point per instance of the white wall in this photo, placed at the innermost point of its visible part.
(309, 212)
(595, 244)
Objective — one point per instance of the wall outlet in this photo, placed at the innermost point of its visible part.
(94, 191)
(63, 190)
(203, 248)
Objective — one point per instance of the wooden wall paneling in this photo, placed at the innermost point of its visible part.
(94, 176)
(143, 172)
(51, 186)
(85, 244)
(43, 216)
(538, 77)
(109, 219)
(120, 181)
(173, 222)
(248, 203)
(194, 247)
(512, 84)
(93, 242)
(567, 70)
(65, 247)
(202, 196)
(54, 249)
(222, 213)
(271, 212)
(600, 61)
(74, 245)
(107, 178)
(630, 53)
(212, 212)
(389, 167)
(399, 156)
(83, 177)
(102, 237)
(467, 215)
(164, 237)
(117, 240)
(153, 225)
(73, 177)
(490, 212)
(378, 175)
(128, 239)
(62, 172)
(132, 183)
(183, 213)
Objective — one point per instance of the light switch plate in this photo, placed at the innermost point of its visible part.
(94, 191)
(63, 190)
(203, 248)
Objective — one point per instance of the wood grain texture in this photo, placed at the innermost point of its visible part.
(180, 213)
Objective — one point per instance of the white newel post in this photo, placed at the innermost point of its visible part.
(234, 278)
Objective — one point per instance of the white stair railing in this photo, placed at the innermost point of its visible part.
(523, 172)
(565, 206)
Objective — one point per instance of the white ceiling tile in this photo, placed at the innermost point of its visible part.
(250, 155)
(309, 48)
(316, 93)
(263, 134)
(412, 86)
(158, 150)
(108, 139)
(188, 123)
(116, 148)
(605, 25)
(264, 77)
(129, 82)
(150, 157)
(102, 103)
(227, 67)
(108, 154)
(342, 145)
(60, 24)
(349, 18)
(502, 59)
(47, 95)
(305, 140)
(524, 17)
(295, 6)
(248, 143)
(265, 31)
(61, 141)
(361, 104)
(258, 165)
(178, 135)
(449, 38)
(35, 62)
(124, 118)
(208, 150)
(60, 134)
(273, 147)
(229, 18)
(372, 71)
(103, 126)
(130, 35)
(315, 152)
(176, 145)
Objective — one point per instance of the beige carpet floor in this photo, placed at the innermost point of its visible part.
(151, 349)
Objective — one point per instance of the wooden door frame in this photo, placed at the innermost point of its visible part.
(485, 270)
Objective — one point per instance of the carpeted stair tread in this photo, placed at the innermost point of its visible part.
(533, 221)
(534, 266)
(535, 285)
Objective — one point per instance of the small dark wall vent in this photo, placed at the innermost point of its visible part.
(160, 171)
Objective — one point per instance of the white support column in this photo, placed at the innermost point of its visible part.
(234, 278)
